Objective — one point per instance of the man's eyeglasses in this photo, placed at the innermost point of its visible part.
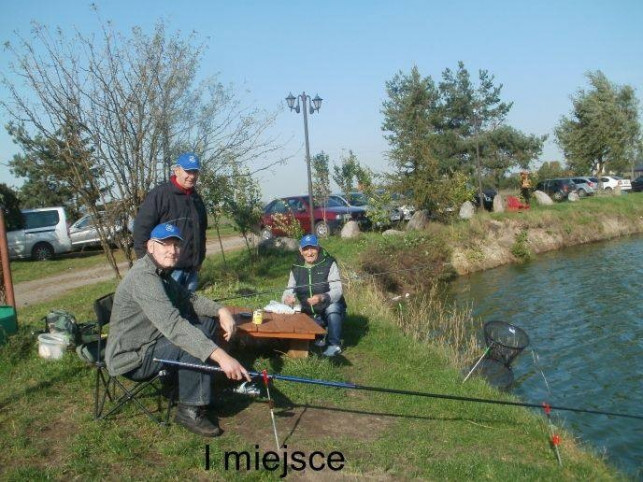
(175, 243)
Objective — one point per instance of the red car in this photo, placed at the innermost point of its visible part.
(329, 217)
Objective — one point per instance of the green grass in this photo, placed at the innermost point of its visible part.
(28, 270)
(47, 431)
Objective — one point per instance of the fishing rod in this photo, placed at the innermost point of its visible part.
(353, 386)
(271, 405)
(340, 279)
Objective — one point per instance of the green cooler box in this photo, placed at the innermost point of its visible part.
(8, 323)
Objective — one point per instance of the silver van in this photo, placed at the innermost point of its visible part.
(44, 234)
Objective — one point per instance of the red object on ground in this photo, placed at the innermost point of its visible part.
(514, 204)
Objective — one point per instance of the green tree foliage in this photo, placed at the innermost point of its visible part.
(135, 98)
(602, 133)
(380, 205)
(11, 208)
(243, 202)
(506, 148)
(436, 131)
(344, 174)
(45, 164)
(321, 176)
(214, 188)
(350, 175)
(410, 117)
(550, 170)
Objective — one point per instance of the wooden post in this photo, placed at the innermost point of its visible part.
(6, 265)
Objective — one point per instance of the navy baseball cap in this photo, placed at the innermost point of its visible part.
(166, 231)
(309, 240)
(189, 162)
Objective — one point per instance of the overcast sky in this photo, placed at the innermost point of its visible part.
(345, 51)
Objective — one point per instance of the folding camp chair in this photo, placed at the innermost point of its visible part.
(120, 390)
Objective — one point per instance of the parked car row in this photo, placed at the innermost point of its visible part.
(45, 233)
(327, 218)
(560, 188)
(360, 200)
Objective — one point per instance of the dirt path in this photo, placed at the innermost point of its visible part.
(37, 291)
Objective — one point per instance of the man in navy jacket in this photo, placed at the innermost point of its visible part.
(176, 201)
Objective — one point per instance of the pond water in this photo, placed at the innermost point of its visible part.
(581, 308)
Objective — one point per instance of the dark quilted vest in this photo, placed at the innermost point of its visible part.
(312, 280)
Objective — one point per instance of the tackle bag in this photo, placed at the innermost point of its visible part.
(62, 323)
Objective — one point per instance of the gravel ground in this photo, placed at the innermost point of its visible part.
(37, 291)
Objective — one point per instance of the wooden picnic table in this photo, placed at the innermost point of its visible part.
(299, 329)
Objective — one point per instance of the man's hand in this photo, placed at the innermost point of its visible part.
(313, 300)
(290, 300)
(226, 321)
(230, 366)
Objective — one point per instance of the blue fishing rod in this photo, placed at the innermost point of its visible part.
(353, 386)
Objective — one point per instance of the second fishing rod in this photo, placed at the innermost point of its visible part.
(354, 386)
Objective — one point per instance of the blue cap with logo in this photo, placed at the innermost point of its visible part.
(166, 231)
(189, 162)
(309, 240)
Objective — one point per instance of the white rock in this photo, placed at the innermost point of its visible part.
(350, 230)
(418, 221)
(542, 198)
(467, 210)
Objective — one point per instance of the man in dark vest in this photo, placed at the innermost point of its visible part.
(316, 285)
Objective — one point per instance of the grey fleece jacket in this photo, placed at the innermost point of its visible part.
(148, 305)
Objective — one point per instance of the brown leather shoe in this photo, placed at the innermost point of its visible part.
(195, 420)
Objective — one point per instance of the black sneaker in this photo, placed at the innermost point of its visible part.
(195, 420)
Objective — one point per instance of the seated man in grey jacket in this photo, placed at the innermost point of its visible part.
(155, 317)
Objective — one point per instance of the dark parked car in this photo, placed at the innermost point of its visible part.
(487, 198)
(328, 218)
(637, 184)
(558, 189)
(360, 200)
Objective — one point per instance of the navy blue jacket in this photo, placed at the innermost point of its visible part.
(167, 203)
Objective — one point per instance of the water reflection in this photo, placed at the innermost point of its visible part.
(582, 310)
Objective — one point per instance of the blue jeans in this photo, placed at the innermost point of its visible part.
(195, 387)
(332, 319)
(188, 278)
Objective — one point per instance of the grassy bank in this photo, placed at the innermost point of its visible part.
(47, 430)
(413, 262)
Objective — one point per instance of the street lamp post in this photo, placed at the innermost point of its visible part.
(312, 106)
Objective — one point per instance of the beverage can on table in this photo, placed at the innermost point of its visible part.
(257, 317)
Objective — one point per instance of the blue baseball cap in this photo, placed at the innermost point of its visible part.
(189, 162)
(166, 231)
(309, 240)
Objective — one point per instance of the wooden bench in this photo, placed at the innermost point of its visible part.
(299, 329)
